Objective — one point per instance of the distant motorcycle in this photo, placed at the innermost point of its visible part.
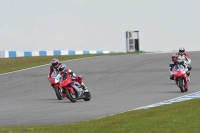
(73, 89)
(55, 83)
(180, 77)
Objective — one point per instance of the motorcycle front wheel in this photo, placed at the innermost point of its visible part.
(186, 89)
(180, 83)
(87, 96)
(71, 96)
(58, 93)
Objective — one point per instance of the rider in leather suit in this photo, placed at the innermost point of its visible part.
(182, 52)
(185, 57)
(64, 71)
(54, 66)
(177, 60)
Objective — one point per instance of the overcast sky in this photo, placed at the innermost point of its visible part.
(164, 25)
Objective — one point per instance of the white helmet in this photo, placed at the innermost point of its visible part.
(181, 49)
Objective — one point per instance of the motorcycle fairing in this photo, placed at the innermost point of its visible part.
(78, 90)
(179, 74)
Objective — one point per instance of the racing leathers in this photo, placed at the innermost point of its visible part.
(185, 57)
(52, 69)
(184, 53)
(73, 76)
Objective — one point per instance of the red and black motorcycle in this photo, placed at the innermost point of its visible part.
(55, 83)
(180, 77)
(73, 89)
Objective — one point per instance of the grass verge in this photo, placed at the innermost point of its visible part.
(13, 64)
(182, 117)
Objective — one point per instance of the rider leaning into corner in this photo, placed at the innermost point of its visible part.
(177, 60)
(62, 68)
(64, 71)
(185, 56)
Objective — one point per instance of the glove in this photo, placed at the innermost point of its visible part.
(80, 77)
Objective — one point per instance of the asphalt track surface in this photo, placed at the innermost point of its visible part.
(117, 84)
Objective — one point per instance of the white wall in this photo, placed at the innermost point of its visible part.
(2, 54)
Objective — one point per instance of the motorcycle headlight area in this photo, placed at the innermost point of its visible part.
(183, 71)
(175, 72)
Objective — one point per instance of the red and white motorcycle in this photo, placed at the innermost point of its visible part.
(55, 83)
(180, 77)
(73, 89)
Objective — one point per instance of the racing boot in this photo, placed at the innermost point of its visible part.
(188, 74)
(189, 67)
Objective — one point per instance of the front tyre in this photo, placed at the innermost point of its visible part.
(87, 96)
(58, 93)
(186, 89)
(180, 83)
(71, 96)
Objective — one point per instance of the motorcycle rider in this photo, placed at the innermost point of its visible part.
(185, 57)
(54, 66)
(177, 60)
(182, 52)
(64, 71)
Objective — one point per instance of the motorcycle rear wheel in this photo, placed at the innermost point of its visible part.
(58, 93)
(71, 96)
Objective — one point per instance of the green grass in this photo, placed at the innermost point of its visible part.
(182, 117)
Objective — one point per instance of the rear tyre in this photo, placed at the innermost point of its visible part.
(180, 83)
(87, 96)
(58, 93)
(71, 96)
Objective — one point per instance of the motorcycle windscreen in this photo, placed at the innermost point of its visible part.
(54, 73)
(64, 76)
(178, 67)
